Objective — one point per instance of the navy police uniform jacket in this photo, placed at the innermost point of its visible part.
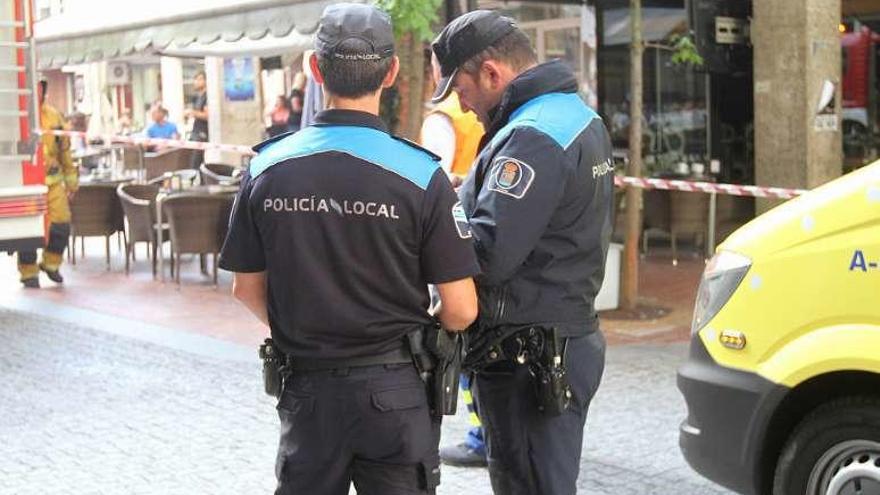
(350, 225)
(539, 202)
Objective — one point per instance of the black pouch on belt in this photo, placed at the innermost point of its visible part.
(550, 380)
(274, 369)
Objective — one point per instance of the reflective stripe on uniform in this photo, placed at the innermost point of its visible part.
(474, 419)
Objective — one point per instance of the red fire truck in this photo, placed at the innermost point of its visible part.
(22, 188)
(861, 76)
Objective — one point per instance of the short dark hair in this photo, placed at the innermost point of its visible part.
(353, 78)
(514, 49)
(200, 73)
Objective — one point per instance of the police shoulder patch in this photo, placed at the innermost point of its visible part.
(511, 177)
(461, 222)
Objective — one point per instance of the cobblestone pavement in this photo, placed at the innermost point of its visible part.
(85, 411)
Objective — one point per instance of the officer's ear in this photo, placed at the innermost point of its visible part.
(391, 76)
(495, 75)
(316, 71)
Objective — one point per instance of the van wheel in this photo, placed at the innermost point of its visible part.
(833, 451)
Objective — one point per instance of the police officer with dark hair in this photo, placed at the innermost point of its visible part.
(538, 200)
(334, 237)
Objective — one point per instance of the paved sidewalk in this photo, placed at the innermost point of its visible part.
(200, 309)
(91, 412)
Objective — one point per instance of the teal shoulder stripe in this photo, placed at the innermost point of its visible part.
(368, 144)
(562, 116)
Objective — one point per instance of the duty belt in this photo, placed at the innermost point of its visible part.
(397, 356)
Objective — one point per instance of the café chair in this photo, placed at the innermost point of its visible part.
(688, 215)
(219, 173)
(139, 206)
(198, 223)
(159, 162)
(95, 211)
(175, 180)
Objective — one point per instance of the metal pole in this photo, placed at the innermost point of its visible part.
(35, 95)
(708, 116)
(658, 106)
(871, 149)
(160, 252)
(142, 171)
(710, 242)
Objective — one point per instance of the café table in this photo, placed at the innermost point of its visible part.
(109, 180)
(90, 152)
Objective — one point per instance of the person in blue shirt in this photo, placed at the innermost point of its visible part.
(161, 127)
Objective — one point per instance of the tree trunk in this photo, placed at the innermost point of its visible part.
(411, 87)
(630, 282)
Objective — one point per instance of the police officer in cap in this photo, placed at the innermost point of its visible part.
(539, 203)
(334, 237)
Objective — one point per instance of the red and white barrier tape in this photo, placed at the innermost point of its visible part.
(709, 187)
(145, 141)
(645, 183)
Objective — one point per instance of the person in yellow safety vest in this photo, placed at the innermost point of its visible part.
(62, 178)
(454, 135)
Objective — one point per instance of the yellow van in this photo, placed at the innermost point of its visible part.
(783, 379)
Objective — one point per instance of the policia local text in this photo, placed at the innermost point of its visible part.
(326, 205)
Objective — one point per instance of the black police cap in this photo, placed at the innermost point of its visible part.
(463, 38)
(368, 26)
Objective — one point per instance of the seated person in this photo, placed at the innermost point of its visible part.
(279, 116)
(161, 128)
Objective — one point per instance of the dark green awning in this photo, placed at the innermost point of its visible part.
(75, 37)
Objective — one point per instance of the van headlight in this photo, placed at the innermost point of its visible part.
(723, 274)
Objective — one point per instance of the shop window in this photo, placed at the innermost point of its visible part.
(564, 44)
(675, 116)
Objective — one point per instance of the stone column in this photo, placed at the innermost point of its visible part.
(172, 89)
(796, 49)
(232, 122)
(214, 79)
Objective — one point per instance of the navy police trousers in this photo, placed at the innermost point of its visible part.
(367, 425)
(530, 453)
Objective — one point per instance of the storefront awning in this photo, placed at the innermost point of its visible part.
(657, 25)
(177, 28)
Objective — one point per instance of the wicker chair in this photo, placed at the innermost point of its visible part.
(167, 160)
(198, 224)
(132, 158)
(218, 173)
(688, 215)
(656, 215)
(733, 213)
(139, 206)
(95, 211)
(183, 178)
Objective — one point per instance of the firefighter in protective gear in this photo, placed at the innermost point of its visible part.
(62, 179)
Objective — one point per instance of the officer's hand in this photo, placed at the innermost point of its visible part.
(456, 181)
